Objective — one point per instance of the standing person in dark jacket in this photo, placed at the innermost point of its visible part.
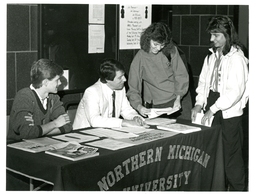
(37, 111)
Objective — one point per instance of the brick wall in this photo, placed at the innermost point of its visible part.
(22, 47)
(189, 23)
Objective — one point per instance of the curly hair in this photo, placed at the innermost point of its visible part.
(158, 32)
(224, 25)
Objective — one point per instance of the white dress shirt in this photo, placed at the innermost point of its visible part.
(95, 108)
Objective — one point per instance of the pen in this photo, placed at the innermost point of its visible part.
(72, 137)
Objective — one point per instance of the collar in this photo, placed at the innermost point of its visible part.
(32, 88)
(106, 89)
(231, 52)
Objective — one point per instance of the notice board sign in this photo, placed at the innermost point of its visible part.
(132, 20)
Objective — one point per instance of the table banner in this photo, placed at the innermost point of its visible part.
(184, 163)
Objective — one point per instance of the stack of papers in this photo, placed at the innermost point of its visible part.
(159, 121)
(198, 119)
(156, 112)
(73, 151)
(110, 144)
(104, 132)
(135, 130)
(35, 145)
(179, 128)
(76, 137)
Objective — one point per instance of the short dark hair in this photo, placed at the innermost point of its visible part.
(44, 69)
(224, 25)
(158, 32)
(108, 69)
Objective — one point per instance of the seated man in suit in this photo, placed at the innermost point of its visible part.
(97, 109)
(37, 111)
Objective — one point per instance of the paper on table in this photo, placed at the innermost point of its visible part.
(135, 130)
(110, 144)
(159, 121)
(199, 117)
(179, 128)
(156, 112)
(104, 132)
(43, 141)
(75, 137)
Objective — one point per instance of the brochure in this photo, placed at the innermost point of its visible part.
(73, 151)
(35, 145)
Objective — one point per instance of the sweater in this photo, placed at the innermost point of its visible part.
(159, 80)
(27, 101)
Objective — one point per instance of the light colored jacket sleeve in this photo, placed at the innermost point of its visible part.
(203, 84)
(126, 111)
(234, 84)
(96, 109)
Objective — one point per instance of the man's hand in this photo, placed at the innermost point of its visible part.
(130, 123)
(177, 103)
(194, 111)
(62, 120)
(143, 111)
(30, 119)
(207, 116)
(140, 121)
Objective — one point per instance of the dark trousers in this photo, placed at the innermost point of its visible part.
(232, 138)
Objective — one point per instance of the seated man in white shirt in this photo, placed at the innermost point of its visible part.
(96, 108)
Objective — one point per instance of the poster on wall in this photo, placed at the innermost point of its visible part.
(132, 20)
(96, 39)
(96, 13)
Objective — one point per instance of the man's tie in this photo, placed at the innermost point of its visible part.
(114, 107)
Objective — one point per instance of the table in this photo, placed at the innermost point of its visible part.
(184, 162)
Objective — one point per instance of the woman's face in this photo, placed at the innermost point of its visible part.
(218, 40)
(155, 47)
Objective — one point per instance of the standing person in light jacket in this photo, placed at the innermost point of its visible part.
(96, 108)
(158, 77)
(37, 111)
(223, 92)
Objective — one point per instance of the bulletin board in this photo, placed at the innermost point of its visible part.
(78, 37)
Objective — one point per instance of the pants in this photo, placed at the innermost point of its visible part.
(232, 138)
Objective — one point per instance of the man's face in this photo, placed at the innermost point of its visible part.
(118, 82)
(52, 85)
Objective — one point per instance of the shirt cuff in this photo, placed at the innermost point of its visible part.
(62, 130)
(40, 131)
(214, 108)
(120, 122)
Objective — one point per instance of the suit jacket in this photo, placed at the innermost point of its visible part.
(94, 108)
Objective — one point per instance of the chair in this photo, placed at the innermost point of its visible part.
(71, 108)
(7, 124)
